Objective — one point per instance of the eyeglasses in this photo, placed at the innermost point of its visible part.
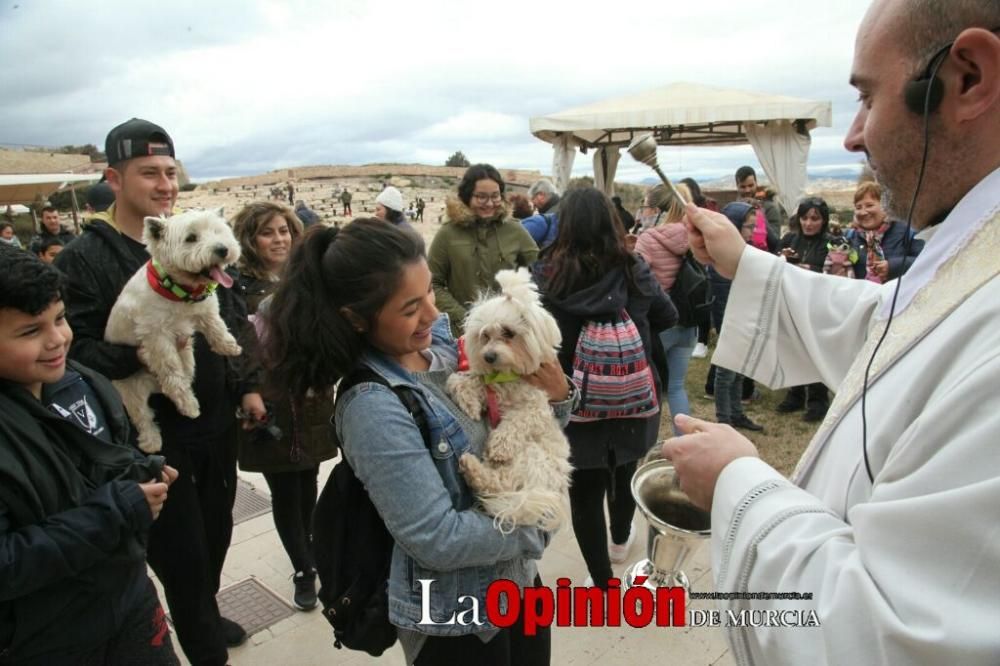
(483, 197)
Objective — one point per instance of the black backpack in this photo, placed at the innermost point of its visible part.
(692, 292)
(353, 548)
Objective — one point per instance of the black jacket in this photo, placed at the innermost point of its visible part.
(65, 237)
(811, 250)
(72, 526)
(614, 442)
(98, 264)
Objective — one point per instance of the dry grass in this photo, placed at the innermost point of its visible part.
(785, 436)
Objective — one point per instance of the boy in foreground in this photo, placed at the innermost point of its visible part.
(76, 501)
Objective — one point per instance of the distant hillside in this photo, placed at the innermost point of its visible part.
(367, 171)
(36, 161)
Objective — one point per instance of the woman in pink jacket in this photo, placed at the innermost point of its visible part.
(663, 247)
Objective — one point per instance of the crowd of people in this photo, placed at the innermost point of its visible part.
(82, 511)
(309, 305)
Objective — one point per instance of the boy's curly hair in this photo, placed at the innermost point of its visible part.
(27, 283)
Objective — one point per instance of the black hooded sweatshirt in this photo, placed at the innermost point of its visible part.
(614, 442)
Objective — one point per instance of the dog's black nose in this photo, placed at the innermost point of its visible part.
(221, 251)
(490, 357)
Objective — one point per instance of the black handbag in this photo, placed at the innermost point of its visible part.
(691, 292)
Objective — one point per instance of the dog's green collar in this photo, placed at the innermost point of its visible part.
(166, 287)
(500, 377)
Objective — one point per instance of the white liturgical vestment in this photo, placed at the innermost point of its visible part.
(905, 569)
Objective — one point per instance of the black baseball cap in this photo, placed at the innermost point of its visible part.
(137, 138)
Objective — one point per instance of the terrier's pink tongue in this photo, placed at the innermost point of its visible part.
(220, 276)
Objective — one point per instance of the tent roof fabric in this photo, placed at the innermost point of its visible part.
(24, 188)
(679, 114)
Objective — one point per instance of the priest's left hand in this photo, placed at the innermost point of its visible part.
(701, 453)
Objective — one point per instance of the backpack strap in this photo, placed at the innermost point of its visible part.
(364, 374)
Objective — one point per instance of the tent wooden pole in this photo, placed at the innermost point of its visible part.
(76, 211)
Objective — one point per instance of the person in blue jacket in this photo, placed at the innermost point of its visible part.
(544, 224)
(886, 249)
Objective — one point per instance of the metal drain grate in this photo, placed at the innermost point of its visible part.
(249, 503)
(252, 606)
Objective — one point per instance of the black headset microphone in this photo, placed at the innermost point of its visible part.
(922, 96)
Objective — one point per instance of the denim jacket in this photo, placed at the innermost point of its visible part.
(424, 500)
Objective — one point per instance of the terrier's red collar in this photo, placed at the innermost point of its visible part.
(162, 284)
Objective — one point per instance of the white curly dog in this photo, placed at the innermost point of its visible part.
(167, 300)
(523, 478)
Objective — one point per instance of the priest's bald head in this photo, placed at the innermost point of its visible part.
(902, 46)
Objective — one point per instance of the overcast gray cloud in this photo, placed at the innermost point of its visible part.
(245, 87)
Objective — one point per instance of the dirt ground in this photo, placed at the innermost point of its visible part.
(785, 436)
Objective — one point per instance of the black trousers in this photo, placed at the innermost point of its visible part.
(587, 491)
(188, 542)
(293, 498)
(813, 396)
(510, 647)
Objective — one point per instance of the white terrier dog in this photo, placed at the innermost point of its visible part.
(524, 477)
(167, 300)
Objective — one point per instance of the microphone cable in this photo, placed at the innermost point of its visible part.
(907, 241)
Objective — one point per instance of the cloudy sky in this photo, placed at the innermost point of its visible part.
(253, 85)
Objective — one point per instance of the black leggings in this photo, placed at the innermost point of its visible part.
(293, 498)
(510, 647)
(586, 496)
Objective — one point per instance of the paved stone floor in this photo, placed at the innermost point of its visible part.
(305, 639)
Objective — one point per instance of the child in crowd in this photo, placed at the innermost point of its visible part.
(729, 384)
(46, 249)
(7, 235)
(76, 501)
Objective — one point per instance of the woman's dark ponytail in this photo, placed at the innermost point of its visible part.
(309, 343)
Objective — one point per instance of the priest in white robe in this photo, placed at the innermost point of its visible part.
(897, 540)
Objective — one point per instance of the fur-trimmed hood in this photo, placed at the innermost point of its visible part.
(461, 215)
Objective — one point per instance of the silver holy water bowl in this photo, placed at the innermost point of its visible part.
(643, 149)
(677, 528)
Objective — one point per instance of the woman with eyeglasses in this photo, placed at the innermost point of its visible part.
(478, 239)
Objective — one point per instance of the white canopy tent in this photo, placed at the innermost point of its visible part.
(688, 114)
(24, 188)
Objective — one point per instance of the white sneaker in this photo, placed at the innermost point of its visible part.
(700, 350)
(588, 581)
(619, 553)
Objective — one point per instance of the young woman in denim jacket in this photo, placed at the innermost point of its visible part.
(363, 296)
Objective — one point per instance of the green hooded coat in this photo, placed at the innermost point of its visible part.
(467, 253)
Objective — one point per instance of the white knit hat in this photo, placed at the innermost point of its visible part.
(390, 197)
